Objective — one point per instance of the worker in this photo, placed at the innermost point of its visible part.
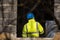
(32, 28)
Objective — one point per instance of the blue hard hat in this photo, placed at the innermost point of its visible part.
(30, 15)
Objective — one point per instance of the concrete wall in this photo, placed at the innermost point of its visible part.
(35, 39)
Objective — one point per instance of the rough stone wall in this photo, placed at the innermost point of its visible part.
(8, 16)
(57, 10)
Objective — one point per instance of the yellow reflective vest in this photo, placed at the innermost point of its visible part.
(32, 29)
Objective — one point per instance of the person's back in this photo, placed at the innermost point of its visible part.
(32, 29)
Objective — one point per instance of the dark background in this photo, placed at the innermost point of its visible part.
(42, 13)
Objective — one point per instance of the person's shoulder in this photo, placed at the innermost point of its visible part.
(25, 24)
(37, 22)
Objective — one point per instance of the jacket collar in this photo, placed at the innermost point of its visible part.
(31, 20)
